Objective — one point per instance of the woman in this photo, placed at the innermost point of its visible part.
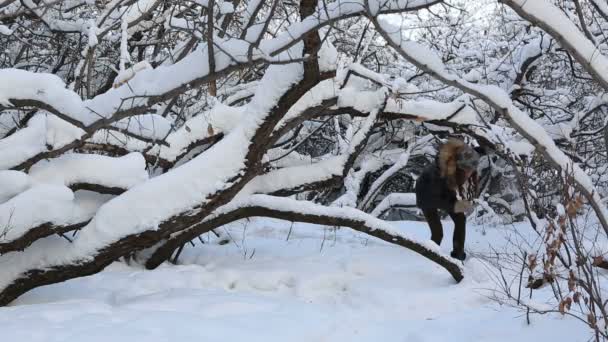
(442, 186)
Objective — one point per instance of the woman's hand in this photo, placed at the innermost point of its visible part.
(465, 207)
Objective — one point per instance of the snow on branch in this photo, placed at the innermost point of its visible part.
(394, 200)
(12, 183)
(43, 133)
(328, 13)
(40, 203)
(22, 88)
(552, 20)
(221, 119)
(92, 172)
(148, 87)
(41, 208)
(52, 21)
(297, 177)
(139, 9)
(379, 183)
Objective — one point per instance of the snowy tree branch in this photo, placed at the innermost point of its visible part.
(548, 17)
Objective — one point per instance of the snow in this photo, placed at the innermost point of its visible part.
(394, 200)
(92, 33)
(294, 176)
(379, 182)
(366, 100)
(359, 128)
(335, 284)
(60, 133)
(224, 6)
(219, 119)
(12, 183)
(521, 148)
(119, 139)
(352, 183)
(125, 75)
(278, 282)
(325, 90)
(434, 110)
(138, 9)
(370, 74)
(328, 57)
(151, 126)
(473, 76)
(363, 101)
(23, 144)
(249, 11)
(42, 132)
(532, 49)
(150, 82)
(238, 92)
(77, 25)
(602, 6)
(122, 172)
(35, 206)
(50, 89)
(5, 30)
(125, 56)
(183, 188)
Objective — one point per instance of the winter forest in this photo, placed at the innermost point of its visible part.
(246, 169)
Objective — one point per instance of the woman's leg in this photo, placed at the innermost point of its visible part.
(460, 222)
(434, 221)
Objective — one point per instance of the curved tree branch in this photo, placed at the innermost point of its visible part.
(36, 233)
(302, 211)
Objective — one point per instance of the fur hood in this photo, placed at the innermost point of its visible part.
(448, 154)
(454, 156)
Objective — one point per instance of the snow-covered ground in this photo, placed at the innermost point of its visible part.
(318, 285)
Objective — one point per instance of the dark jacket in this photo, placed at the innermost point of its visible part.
(432, 191)
(440, 185)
